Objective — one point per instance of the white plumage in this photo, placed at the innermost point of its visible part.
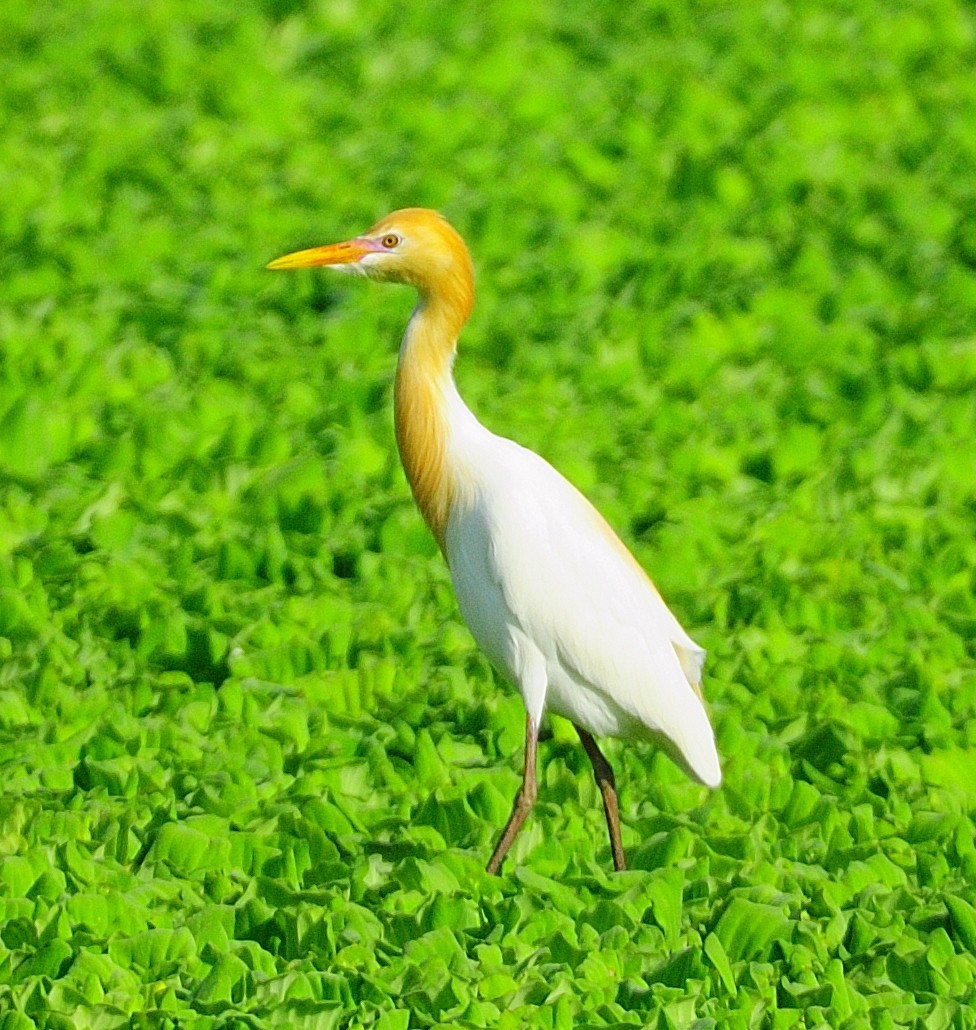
(562, 610)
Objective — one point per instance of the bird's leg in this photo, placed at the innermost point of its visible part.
(608, 788)
(524, 800)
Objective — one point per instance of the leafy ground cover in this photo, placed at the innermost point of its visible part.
(252, 765)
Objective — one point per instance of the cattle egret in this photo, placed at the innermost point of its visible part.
(555, 600)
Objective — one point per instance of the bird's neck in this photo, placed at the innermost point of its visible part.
(427, 406)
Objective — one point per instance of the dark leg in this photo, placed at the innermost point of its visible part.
(524, 800)
(608, 788)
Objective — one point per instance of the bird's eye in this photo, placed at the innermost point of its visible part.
(390, 240)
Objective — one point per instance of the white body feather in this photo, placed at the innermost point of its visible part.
(559, 606)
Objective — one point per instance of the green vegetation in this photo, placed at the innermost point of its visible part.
(252, 764)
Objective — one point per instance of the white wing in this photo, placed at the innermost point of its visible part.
(559, 605)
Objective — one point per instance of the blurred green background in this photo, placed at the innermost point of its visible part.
(252, 763)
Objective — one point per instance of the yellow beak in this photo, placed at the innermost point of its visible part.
(346, 253)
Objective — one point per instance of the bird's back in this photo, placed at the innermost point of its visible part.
(560, 607)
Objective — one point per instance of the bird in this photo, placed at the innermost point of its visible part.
(551, 595)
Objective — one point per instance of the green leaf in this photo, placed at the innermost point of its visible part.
(188, 849)
(393, 1020)
(664, 895)
(153, 949)
(48, 960)
(16, 1021)
(220, 984)
(746, 929)
(950, 768)
(717, 956)
(963, 916)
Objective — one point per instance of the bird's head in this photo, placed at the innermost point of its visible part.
(415, 246)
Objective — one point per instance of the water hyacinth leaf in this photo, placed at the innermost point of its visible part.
(951, 768)
(219, 985)
(48, 960)
(185, 848)
(963, 917)
(393, 1020)
(746, 929)
(720, 960)
(664, 895)
(153, 949)
(16, 1021)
